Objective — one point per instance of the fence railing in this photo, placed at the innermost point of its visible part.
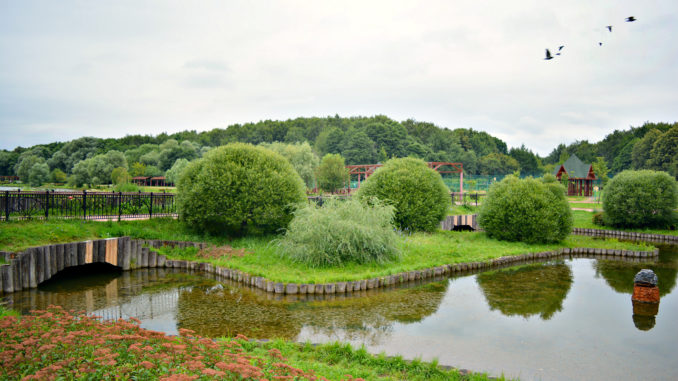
(24, 205)
(18, 205)
(472, 198)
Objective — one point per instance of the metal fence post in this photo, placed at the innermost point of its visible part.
(119, 206)
(47, 204)
(84, 204)
(150, 208)
(6, 205)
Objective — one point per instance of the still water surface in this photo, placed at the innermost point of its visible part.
(566, 319)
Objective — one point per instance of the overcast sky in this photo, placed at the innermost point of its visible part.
(110, 68)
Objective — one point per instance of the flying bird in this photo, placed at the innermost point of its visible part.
(609, 27)
(548, 55)
(559, 49)
(630, 19)
(600, 44)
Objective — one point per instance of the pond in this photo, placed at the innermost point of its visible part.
(566, 319)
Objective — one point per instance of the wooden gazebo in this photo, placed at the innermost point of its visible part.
(140, 180)
(581, 176)
(158, 181)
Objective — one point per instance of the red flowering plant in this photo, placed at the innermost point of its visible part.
(59, 344)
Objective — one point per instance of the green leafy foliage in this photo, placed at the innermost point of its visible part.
(24, 165)
(640, 199)
(302, 158)
(601, 170)
(120, 175)
(498, 164)
(58, 176)
(126, 187)
(664, 154)
(239, 189)
(417, 192)
(526, 210)
(173, 174)
(340, 232)
(331, 173)
(137, 169)
(38, 174)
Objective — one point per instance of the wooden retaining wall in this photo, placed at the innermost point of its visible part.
(660, 238)
(35, 265)
(471, 220)
(450, 222)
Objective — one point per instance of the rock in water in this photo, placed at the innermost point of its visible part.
(646, 277)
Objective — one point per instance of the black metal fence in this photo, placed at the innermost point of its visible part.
(463, 198)
(18, 205)
(468, 198)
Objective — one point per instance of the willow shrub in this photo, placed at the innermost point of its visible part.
(340, 232)
(239, 189)
(526, 210)
(417, 192)
(640, 199)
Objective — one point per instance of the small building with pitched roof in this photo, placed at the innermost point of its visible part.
(580, 175)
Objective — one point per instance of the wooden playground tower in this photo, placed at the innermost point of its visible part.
(368, 169)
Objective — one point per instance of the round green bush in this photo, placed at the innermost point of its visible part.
(640, 199)
(239, 189)
(417, 192)
(526, 210)
(340, 232)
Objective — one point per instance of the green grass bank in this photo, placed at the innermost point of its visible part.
(261, 256)
(584, 219)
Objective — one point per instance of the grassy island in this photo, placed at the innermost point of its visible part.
(260, 255)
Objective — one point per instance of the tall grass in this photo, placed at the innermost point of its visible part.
(340, 232)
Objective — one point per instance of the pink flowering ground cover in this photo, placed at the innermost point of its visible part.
(59, 344)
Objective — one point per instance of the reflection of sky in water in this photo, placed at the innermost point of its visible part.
(591, 334)
(593, 337)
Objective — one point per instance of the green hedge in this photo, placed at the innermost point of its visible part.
(239, 189)
(640, 199)
(526, 210)
(417, 192)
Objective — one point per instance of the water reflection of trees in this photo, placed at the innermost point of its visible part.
(366, 315)
(87, 288)
(619, 274)
(537, 289)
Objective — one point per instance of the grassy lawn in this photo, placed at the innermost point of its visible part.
(19, 235)
(336, 360)
(262, 258)
(419, 251)
(583, 219)
(463, 209)
(66, 346)
(598, 206)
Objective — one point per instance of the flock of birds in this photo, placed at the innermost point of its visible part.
(550, 56)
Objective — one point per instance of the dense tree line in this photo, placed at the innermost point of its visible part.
(650, 146)
(359, 140)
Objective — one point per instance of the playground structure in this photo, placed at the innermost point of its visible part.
(363, 171)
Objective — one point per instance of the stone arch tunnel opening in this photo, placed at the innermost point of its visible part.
(91, 274)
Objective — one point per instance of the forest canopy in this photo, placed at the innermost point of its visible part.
(359, 140)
